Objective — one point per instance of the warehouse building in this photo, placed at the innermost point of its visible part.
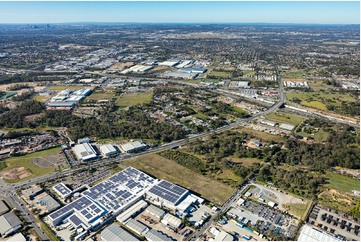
(268, 122)
(10, 223)
(134, 146)
(312, 234)
(84, 152)
(62, 190)
(137, 227)
(223, 236)
(116, 233)
(49, 203)
(155, 235)
(167, 194)
(108, 150)
(170, 62)
(3, 207)
(31, 192)
(155, 211)
(193, 70)
(170, 220)
(287, 126)
(132, 211)
(83, 212)
(70, 104)
(122, 190)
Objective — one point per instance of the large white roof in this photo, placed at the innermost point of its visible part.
(310, 234)
(84, 151)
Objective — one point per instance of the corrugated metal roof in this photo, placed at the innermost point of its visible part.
(137, 226)
(156, 211)
(116, 233)
(155, 235)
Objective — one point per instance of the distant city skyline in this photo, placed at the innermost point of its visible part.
(307, 12)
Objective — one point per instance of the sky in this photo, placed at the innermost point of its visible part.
(307, 12)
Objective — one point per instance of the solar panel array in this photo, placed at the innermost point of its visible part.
(121, 188)
(83, 207)
(75, 220)
(112, 194)
(168, 191)
(62, 189)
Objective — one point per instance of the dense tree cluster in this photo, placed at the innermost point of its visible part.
(18, 86)
(297, 181)
(340, 149)
(16, 117)
(133, 123)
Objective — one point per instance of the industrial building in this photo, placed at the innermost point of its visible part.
(155, 211)
(132, 211)
(83, 212)
(287, 126)
(134, 146)
(155, 235)
(223, 236)
(137, 227)
(31, 192)
(108, 150)
(116, 233)
(170, 62)
(49, 203)
(268, 122)
(122, 190)
(137, 69)
(10, 223)
(70, 104)
(312, 234)
(121, 195)
(193, 70)
(170, 220)
(3, 207)
(84, 152)
(167, 194)
(62, 190)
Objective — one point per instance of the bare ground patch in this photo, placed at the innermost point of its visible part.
(15, 173)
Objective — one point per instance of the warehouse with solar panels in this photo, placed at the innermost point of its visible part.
(62, 190)
(115, 194)
(172, 196)
(121, 195)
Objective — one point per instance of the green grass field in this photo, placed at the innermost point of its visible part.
(220, 74)
(101, 96)
(239, 110)
(342, 183)
(134, 99)
(262, 135)
(319, 100)
(162, 168)
(41, 98)
(25, 161)
(247, 162)
(285, 118)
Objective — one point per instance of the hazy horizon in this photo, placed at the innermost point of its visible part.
(181, 12)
